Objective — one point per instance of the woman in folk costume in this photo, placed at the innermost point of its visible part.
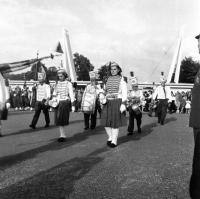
(113, 114)
(134, 102)
(89, 102)
(64, 94)
(4, 101)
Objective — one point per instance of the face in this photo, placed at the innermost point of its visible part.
(92, 81)
(134, 87)
(40, 79)
(114, 70)
(162, 83)
(61, 77)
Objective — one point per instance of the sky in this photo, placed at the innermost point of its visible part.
(140, 35)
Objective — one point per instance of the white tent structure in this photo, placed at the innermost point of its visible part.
(174, 71)
(64, 47)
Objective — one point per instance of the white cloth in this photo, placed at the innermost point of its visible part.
(62, 132)
(188, 104)
(4, 92)
(123, 91)
(160, 94)
(115, 133)
(109, 133)
(43, 92)
(122, 108)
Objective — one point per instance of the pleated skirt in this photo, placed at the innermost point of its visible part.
(111, 115)
(62, 113)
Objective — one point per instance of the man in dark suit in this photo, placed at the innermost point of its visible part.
(195, 124)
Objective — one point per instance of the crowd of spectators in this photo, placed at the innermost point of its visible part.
(180, 103)
(24, 99)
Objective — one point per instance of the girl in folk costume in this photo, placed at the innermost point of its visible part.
(113, 114)
(64, 94)
(4, 101)
(89, 101)
(134, 102)
(88, 105)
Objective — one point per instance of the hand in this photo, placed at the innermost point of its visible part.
(104, 101)
(73, 108)
(122, 108)
(7, 105)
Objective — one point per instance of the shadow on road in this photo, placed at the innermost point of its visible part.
(10, 160)
(55, 183)
(29, 130)
(146, 130)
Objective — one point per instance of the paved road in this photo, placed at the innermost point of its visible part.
(154, 165)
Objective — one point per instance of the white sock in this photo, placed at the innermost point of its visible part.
(62, 132)
(115, 133)
(109, 133)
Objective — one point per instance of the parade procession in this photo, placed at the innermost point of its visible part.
(118, 85)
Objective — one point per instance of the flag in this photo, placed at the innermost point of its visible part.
(16, 66)
(20, 65)
(59, 48)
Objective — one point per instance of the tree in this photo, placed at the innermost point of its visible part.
(104, 72)
(82, 67)
(188, 70)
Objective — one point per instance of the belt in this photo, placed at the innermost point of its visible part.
(112, 96)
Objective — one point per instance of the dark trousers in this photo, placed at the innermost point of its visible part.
(162, 110)
(93, 119)
(132, 116)
(38, 107)
(195, 177)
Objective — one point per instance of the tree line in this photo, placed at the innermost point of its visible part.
(188, 70)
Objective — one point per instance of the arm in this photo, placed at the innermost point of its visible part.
(155, 93)
(124, 91)
(71, 93)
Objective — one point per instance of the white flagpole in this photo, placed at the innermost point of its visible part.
(176, 61)
(68, 63)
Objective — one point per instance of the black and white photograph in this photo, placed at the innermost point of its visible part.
(100, 99)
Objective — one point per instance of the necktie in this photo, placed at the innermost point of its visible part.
(164, 91)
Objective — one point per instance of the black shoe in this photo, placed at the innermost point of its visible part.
(139, 130)
(112, 145)
(32, 126)
(61, 139)
(130, 133)
(92, 127)
(158, 121)
(162, 123)
(109, 143)
(86, 128)
(1, 135)
(46, 126)
(150, 115)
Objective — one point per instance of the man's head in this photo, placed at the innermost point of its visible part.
(41, 77)
(92, 75)
(134, 83)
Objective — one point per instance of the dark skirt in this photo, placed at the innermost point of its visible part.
(111, 115)
(4, 114)
(62, 113)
